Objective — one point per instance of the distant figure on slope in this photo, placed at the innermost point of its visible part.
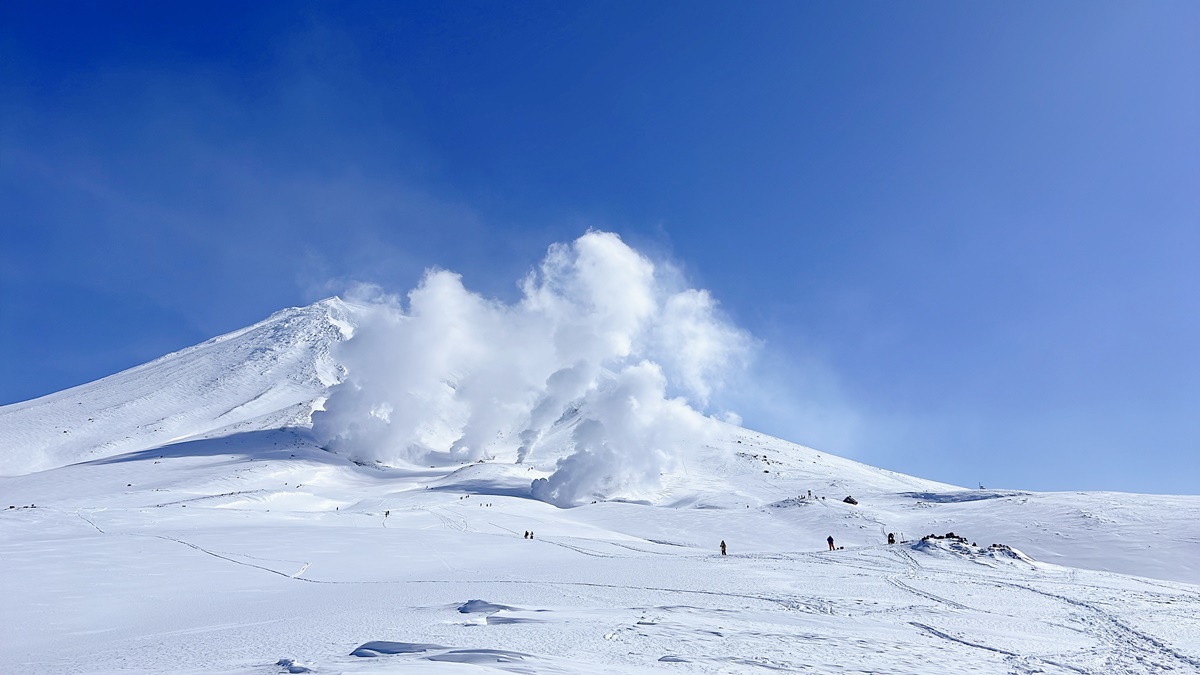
(526, 534)
(830, 540)
(891, 537)
(722, 547)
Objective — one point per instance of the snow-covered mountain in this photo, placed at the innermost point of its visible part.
(267, 375)
(181, 516)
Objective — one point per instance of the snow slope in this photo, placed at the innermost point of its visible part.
(273, 370)
(195, 526)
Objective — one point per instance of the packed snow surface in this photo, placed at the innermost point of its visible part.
(182, 517)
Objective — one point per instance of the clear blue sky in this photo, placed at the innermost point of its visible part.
(969, 233)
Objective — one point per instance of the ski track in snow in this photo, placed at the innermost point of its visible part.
(201, 549)
(1112, 629)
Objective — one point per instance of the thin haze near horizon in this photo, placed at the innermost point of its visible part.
(964, 235)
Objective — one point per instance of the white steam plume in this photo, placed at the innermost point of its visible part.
(598, 333)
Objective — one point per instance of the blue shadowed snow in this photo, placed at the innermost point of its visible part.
(384, 647)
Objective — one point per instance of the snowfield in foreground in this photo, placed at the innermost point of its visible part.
(188, 522)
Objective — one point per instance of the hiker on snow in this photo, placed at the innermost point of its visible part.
(722, 547)
(830, 540)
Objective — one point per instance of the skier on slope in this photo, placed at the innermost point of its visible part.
(722, 547)
(830, 540)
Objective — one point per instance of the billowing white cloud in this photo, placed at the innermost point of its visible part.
(629, 435)
(699, 344)
(598, 332)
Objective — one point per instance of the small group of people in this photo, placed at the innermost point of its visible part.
(892, 539)
(529, 534)
(724, 549)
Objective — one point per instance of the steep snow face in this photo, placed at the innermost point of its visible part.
(268, 375)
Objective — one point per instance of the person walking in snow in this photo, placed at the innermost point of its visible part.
(830, 540)
(722, 547)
